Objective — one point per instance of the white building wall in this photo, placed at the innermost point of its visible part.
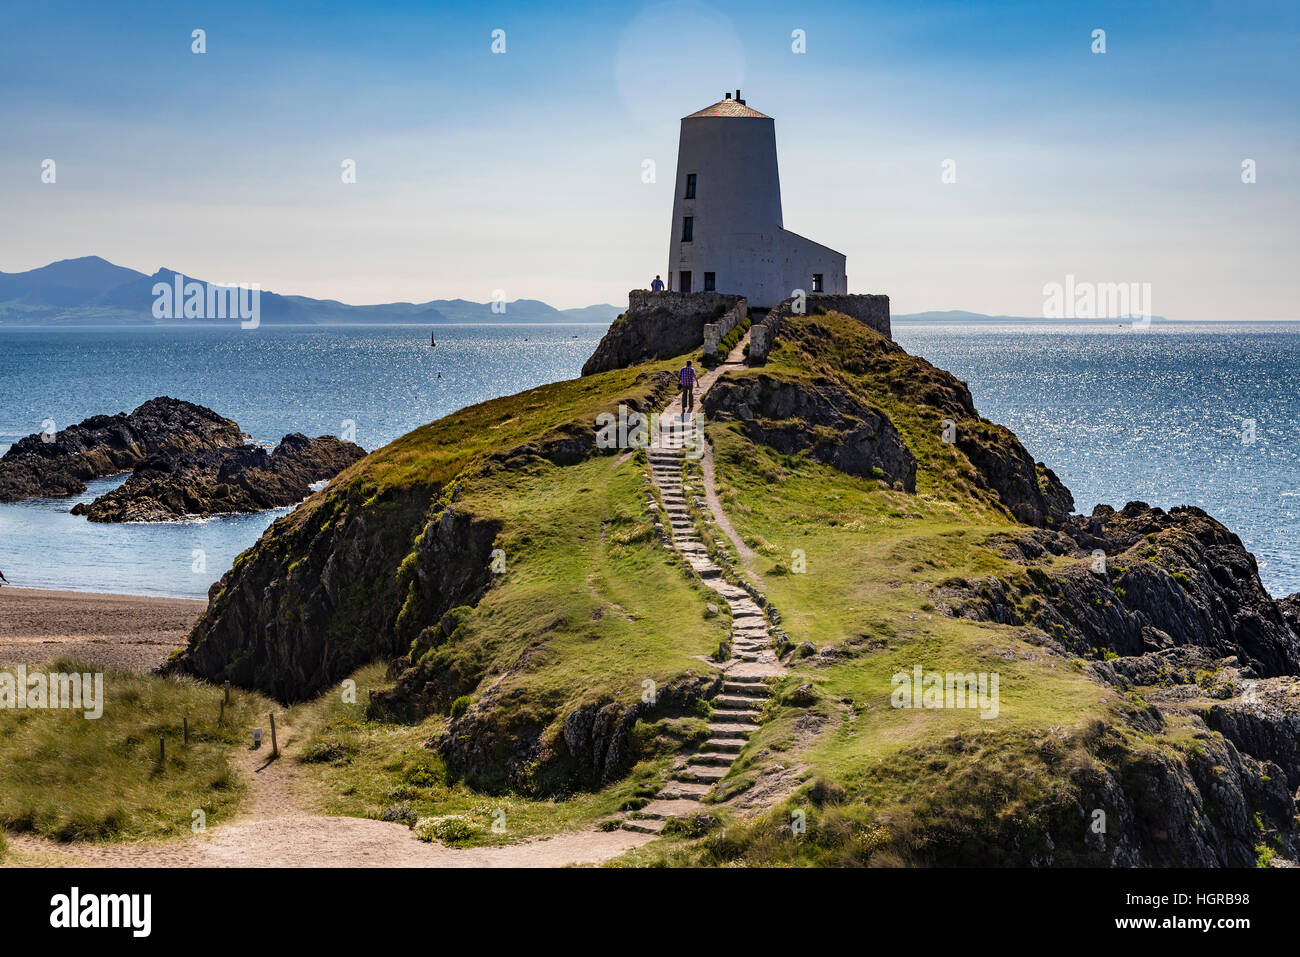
(802, 259)
(738, 232)
(737, 204)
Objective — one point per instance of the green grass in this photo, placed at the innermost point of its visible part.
(590, 606)
(874, 558)
(378, 769)
(71, 778)
(434, 454)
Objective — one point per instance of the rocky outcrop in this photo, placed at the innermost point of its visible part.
(657, 325)
(821, 417)
(319, 597)
(1167, 579)
(221, 481)
(1030, 491)
(594, 746)
(61, 464)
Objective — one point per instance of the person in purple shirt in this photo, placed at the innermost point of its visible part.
(687, 378)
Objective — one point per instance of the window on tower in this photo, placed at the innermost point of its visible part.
(817, 282)
(690, 185)
(710, 282)
(688, 229)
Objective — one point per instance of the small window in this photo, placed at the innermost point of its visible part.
(688, 229)
(710, 283)
(690, 185)
(817, 282)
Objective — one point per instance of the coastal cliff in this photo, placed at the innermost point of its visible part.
(510, 571)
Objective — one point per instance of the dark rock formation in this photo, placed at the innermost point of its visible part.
(594, 747)
(657, 325)
(218, 481)
(108, 444)
(321, 595)
(1030, 491)
(1171, 579)
(820, 417)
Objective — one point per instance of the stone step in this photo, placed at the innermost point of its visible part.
(731, 729)
(644, 825)
(736, 701)
(718, 758)
(735, 715)
(701, 774)
(684, 790)
(745, 689)
(725, 744)
(674, 807)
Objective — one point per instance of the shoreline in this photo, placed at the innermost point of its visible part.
(74, 590)
(114, 631)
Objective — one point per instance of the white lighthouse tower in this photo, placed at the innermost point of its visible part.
(727, 232)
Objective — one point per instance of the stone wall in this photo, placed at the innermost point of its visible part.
(658, 325)
(872, 311)
(715, 332)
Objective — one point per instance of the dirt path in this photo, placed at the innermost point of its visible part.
(275, 830)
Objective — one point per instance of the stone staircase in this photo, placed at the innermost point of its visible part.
(736, 712)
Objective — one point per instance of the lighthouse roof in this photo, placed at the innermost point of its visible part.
(730, 107)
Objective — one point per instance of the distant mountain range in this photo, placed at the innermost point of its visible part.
(91, 290)
(94, 291)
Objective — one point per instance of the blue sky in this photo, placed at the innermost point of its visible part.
(522, 171)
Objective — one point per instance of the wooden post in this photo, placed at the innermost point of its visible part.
(162, 753)
(221, 718)
(227, 701)
(186, 725)
(275, 748)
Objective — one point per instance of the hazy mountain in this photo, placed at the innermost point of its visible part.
(64, 284)
(91, 290)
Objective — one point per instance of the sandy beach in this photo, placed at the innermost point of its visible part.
(133, 632)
